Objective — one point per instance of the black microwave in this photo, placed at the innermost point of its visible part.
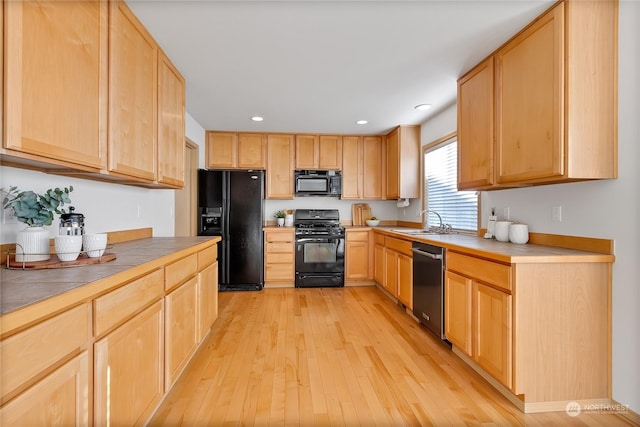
(318, 183)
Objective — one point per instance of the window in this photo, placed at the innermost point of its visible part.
(458, 208)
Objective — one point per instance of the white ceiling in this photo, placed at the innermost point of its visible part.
(318, 66)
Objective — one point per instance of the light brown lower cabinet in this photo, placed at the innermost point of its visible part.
(521, 325)
(111, 361)
(279, 264)
(61, 398)
(181, 329)
(357, 255)
(129, 375)
(393, 267)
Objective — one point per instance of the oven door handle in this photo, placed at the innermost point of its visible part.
(427, 254)
(315, 239)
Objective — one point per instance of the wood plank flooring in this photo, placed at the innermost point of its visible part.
(345, 357)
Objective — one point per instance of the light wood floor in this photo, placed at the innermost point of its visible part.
(346, 356)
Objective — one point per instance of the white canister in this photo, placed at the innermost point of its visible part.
(519, 233)
(502, 230)
(288, 220)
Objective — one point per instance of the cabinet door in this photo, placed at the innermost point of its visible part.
(393, 165)
(330, 152)
(492, 332)
(372, 167)
(307, 153)
(405, 280)
(207, 299)
(457, 311)
(222, 150)
(251, 151)
(352, 167)
(391, 271)
(61, 398)
(133, 96)
(379, 265)
(357, 255)
(181, 329)
(56, 80)
(475, 127)
(529, 117)
(280, 156)
(129, 370)
(171, 119)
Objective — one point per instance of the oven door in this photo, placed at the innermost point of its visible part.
(319, 261)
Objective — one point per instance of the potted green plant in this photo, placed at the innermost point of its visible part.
(35, 210)
(280, 215)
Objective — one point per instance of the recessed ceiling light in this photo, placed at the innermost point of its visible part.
(422, 107)
(257, 118)
(362, 122)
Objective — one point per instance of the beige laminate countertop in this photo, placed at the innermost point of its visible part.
(501, 251)
(25, 288)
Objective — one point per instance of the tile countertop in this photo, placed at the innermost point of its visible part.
(21, 288)
(501, 251)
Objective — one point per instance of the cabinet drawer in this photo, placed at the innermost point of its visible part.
(482, 270)
(275, 272)
(279, 258)
(179, 271)
(278, 236)
(207, 257)
(358, 236)
(402, 246)
(117, 306)
(30, 352)
(279, 248)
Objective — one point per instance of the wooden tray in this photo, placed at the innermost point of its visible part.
(54, 262)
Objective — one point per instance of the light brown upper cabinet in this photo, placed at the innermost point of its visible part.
(171, 120)
(475, 127)
(55, 100)
(318, 152)
(133, 95)
(403, 163)
(227, 150)
(555, 102)
(280, 162)
(362, 167)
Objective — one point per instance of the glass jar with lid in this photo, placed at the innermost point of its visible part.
(72, 223)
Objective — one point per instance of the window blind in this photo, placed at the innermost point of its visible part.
(458, 208)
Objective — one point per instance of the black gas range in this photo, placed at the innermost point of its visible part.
(320, 245)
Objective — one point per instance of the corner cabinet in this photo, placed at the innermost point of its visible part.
(403, 163)
(55, 99)
(555, 103)
(280, 162)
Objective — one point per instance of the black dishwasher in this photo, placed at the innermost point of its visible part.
(428, 286)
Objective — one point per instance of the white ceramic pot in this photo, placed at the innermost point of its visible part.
(519, 233)
(502, 230)
(32, 244)
(280, 222)
(94, 244)
(68, 247)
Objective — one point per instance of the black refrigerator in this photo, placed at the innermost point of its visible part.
(231, 205)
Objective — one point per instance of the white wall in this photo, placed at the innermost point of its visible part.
(106, 206)
(607, 209)
(385, 210)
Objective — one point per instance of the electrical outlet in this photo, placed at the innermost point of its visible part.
(9, 217)
(556, 213)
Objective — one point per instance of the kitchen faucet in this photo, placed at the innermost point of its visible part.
(442, 228)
